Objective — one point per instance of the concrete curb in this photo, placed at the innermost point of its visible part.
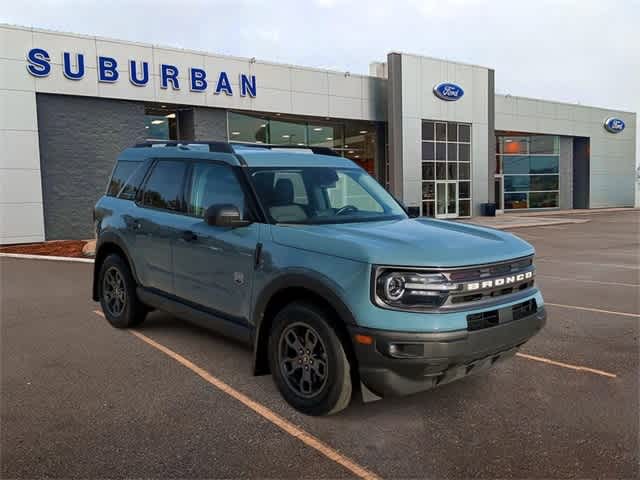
(46, 257)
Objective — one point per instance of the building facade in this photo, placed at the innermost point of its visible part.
(433, 131)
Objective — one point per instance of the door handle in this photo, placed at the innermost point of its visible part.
(189, 236)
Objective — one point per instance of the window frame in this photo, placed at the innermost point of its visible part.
(139, 200)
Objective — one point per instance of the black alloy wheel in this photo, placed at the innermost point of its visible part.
(302, 357)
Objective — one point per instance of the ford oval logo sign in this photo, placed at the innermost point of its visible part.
(614, 125)
(448, 91)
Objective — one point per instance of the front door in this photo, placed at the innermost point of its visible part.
(447, 199)
(213, 266)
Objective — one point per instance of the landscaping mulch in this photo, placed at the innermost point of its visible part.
(56, 248)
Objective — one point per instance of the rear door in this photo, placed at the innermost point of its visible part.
(214, 265)
(159, 204)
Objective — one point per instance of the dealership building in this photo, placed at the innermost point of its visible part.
(434, 132)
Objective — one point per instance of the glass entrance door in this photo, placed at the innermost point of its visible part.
(447, 199)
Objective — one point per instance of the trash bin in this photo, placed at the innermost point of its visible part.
(488, 209)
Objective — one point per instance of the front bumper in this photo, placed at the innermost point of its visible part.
(447, 356)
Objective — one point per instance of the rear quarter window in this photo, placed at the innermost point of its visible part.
(121, 173)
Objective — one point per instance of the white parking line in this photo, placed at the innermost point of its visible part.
(597, 310)
(599, 282)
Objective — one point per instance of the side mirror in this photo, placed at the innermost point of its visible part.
(225, 215)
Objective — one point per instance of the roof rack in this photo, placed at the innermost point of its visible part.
(315, 150)
(214, 146)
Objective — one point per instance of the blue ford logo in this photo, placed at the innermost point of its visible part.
(448, 91)
(614, 125)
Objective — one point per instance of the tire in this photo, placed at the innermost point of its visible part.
(118, 298)
(297, 375)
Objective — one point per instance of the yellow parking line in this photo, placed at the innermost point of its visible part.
(261, 410)
(597, 310)
(566, 365)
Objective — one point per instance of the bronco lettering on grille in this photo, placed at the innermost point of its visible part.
(498, 282)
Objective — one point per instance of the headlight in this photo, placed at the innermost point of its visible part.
(411, 290)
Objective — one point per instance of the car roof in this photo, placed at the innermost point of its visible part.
(250, 155)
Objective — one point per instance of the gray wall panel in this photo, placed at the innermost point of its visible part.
(491, 142)
(566, 172)
(210, 124)
(80, 138)
(394, 115)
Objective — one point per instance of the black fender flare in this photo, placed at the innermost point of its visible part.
(110, 238)
(308, 280)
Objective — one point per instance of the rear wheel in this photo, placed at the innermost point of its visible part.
(308, 360)
(118, 298)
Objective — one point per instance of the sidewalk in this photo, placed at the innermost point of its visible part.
(502, 222)
(541, 219)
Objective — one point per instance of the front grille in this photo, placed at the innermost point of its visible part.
(491, 318)
(505, 273)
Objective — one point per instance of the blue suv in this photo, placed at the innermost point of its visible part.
(306, 258)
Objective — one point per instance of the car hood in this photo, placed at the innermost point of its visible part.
(407, 242)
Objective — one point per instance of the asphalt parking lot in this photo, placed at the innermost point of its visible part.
(81, 399)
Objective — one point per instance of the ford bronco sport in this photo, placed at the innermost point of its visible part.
(305, 257)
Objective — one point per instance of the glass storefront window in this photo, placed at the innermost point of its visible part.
(464, 152)
(543, 164)
(428, 151)
(160, 123)
(515, 201)
(446, 155)
(246, 128)
(428, 170)
(428, 131)
(464, 171)
(515, 164)
(539, 144)
(464, 133)
(543, 199)
(516, 183)
(157, 127)
(530, 169)
(353, 139)
(513, 145)
(287, 133)
(325, 135)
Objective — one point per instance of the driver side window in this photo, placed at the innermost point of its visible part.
(349, 192)
(213, 184)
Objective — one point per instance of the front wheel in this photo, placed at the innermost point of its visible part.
(118, 298)
(308, 361)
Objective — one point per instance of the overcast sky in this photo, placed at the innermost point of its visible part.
(585, 51)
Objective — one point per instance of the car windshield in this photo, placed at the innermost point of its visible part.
(314, 195)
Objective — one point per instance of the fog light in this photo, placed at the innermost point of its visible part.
(406, 350)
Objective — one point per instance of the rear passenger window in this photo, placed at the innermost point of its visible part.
(164, 186)
(213, 184)
(120, 175)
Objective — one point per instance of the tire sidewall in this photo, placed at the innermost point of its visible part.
(330, 395)
(128, 315)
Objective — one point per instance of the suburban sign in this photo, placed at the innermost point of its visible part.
(109, 71)
(448, 91)
(614, 125)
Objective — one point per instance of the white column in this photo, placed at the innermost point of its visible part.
(21, 214)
